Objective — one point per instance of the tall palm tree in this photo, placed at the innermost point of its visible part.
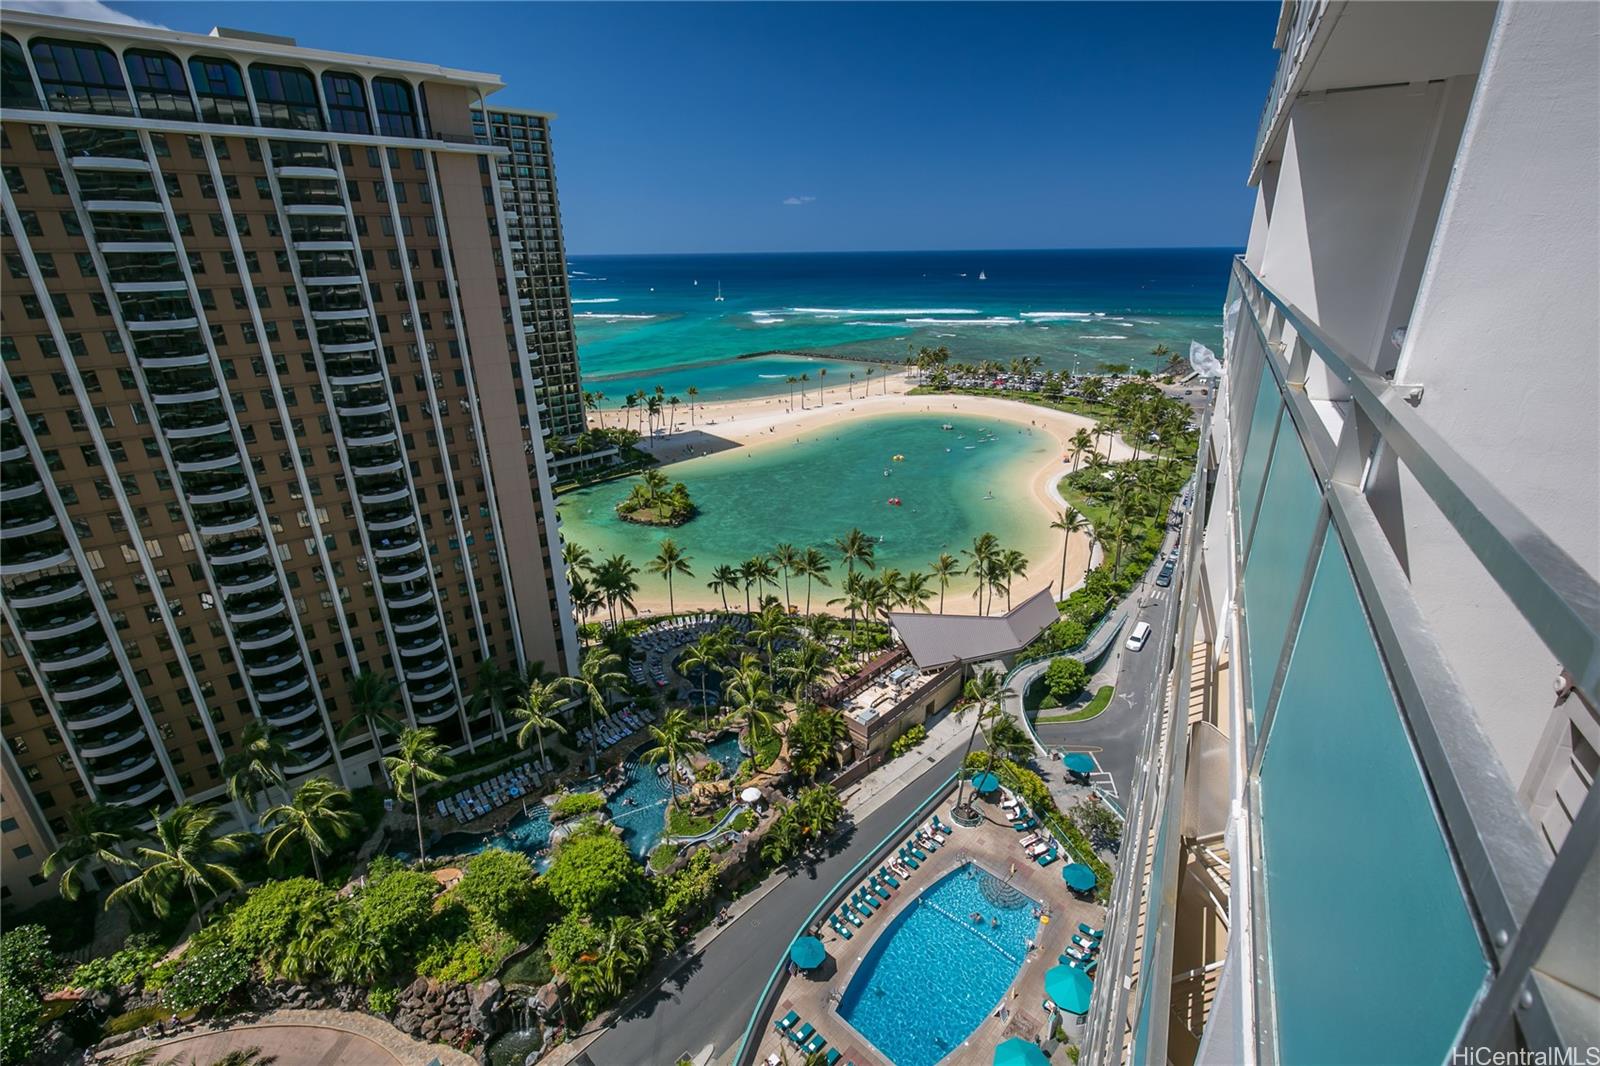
(822, 386)
(1082, 443)
(495, 690)
(802, 669)
(944, 568)
(256, 765)
(982, 557)
(536, 709)
(723, 578)
(599, 675)
(914, 591)
(813, 566)
(805, 379)
(787, 558)
(851, 598)
(616, 579)
(867, 388)
(419, 758)
(670, 559)
(747, 577)
(375, 706)
(856, 547)
(672, 423)
(183, 848)
(674, 738)
(694, 394)
(1069, 521)
(630, 405)
(749, 693)
(981, 692)
(94, 833)
(626, 948)
(704, 656)
(764, 573)
(576, 558)
(317, 815)
(1012, 565)
(768, 626)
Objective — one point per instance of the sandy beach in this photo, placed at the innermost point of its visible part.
(765, 421)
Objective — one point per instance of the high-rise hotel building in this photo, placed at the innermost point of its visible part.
(1365, 829)
(268, 413)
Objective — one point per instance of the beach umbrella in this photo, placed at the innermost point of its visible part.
(807, 953)
(985, 782)
(1019, 1052)
(750, 795)
(1069, 987)
(1078, 877)
(1079, 762)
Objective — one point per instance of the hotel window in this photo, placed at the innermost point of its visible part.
(221, 90)
(286, 97)
(80, 77)
(158, 84)
(16, 85)
(397, 113)
(347, 103)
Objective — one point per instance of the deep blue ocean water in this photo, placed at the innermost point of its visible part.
(652, 320)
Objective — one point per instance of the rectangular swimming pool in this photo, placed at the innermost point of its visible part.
(941, 967)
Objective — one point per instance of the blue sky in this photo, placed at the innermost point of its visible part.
(794, 127)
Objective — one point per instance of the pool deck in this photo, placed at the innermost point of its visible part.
(992, 845)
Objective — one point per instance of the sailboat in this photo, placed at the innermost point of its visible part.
(719, 292)
(982, 276)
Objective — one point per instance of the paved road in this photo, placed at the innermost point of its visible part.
(1114, 735)
(708, 1001)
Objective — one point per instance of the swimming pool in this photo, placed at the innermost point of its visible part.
(935, 974)
(528, 834)
(639, 808)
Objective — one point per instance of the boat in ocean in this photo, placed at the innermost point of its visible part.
(719, 293)
(982, 276)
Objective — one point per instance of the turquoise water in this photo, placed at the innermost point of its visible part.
(933, 976)
(642, 820)
(528, 834)
(811, 492)
(643, 321)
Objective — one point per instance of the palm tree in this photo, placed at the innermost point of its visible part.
(419, 758)
(808, 663)
(822, 386)
(1013, 564)
(576, 558)
(855, 547)
(318, 814)
(693, 395)
(1082, 442)
(536, 710)
(769, 625)
(813, 566)
(867, 388)
(787, 558)
(1069, 521)
(914, 591)
(981, 693)
(94, 834)
(674, 739)
(626, 948)
(672, 424)
(630, 405)
(183, 848)
(599, 675)
(652, 407)
(375, 705)
(257, 764)
(495, 690)
(723, 578)
(670, 560)
(703, 656)
(750, 695)
(944, 568)
(616, 580)
(982, 556)
(764, 573)
(747, 577)
(805, 379)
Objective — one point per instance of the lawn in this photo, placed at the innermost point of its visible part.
(681, 823)
(1082, 714)
(1070, 404)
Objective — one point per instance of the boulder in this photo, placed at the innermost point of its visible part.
(483, 1004)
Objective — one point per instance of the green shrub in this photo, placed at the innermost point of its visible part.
(906, 741)
(285, 926)
(686, 892)
(129, 966)
(1063, 635)
(743, 822)
(711, 770)
(27, 967)
(382, 1000)
(575, 804)
(662, 855)
(593, 872)
(382, 934)
(573, 937)
(206, 976)
(1065, 678)
(500, 887)
(138, 1018)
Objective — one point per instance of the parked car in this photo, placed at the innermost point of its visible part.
(1140, 634)
(1164, 579)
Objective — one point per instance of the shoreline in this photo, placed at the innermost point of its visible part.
(760, 423)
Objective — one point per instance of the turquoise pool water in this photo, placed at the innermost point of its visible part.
(528, 834)
(935, 974)
(953, 485)
(640, 808)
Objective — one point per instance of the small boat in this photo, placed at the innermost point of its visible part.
(988, 495)
(899, 458)
(982, 276)
(894, 501)
(719, 293)
(947, 426)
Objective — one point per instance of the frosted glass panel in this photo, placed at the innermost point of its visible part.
(1375, 957)
(1277, 559)
(1257, 447)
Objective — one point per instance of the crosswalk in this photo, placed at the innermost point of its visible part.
(1102, 781)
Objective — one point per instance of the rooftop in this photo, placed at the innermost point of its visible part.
(938, 639)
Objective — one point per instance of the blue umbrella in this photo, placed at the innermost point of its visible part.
(1079, 762)
(1078, 877)
(986, 782)
(1069, 987)
(807, 953)
(1019, 1052)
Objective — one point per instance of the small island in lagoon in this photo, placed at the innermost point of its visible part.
(652, 503)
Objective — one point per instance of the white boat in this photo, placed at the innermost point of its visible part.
(719, 292)
(982, 276)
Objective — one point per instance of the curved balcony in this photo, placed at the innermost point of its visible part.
(95, 715)
(333, 279)
(135, 288)
(240, 583)
(24, 483)
(272, 664)
(192, 395)
(41, 624)
(282, 688)
(356, 378)
(404, 598)
(143, 325)
(224, 525)
(110, 741)
(108, 162)
(234, 552)
(375, 467)
(262, 635)
(341, 314)
(74, 653)
(26, 522)
(253, 608)
(350, 347)
(362, 410)
(411, 620)
(46, 591)
(310, 764)
(420, 644)
(139, 206)
(425, 669)
(28, 559)
(174, 362)
(303, 734)
(435, 705)
(289, 713)
(202, 457)
(123, 769)
(295, 171)
(85, 686)
(138, 794)
(385, 494)
(218, 495)
(138, 244)
(193, 428)
(395, 547)
(14, 453)
(402, 571)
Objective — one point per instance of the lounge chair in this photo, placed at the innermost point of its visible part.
(814, 1045)
(872, 883)
(905, 857)
(918, 852)
(1047, 858)
(849, 915)
(1089, 969)
(784, 1024)
(940, 825)
(865, 901)
(839, 927)
(804, 1033)
(1022, 827)
(833, 1056)
(883, 872)
(1083, 927)
(1085, 944)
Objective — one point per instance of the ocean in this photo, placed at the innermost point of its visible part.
(648, 320)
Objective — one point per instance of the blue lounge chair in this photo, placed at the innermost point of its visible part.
(804, 1033)
(833, 1056)
(869, 899)
(907, 858)
(883, 872)
(814, 1045)
(860, 904)
(1089, 969)
(941, 827)
(1083, 927)
(918, 852)
(839, 927)
(1085, 944)
(1023, 827)
(872, 883)
(1047, 858)
(784, 1024)
(926, 840)
(850, 915)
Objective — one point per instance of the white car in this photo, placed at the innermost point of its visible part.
(1140, 634)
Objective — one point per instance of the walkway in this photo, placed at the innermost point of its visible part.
(303, 1038)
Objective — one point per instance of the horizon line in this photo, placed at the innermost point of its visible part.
(939, 251)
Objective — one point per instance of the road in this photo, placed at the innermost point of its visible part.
(709, 999)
